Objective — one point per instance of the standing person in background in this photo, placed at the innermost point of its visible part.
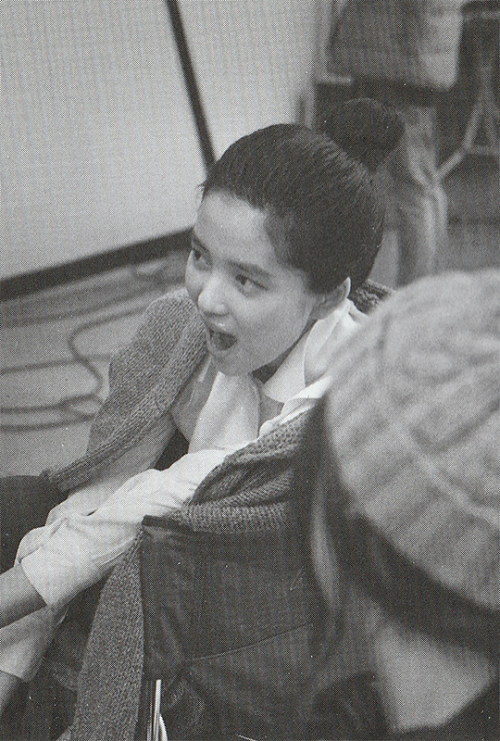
(405, 52)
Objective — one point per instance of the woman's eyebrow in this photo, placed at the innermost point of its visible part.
(253, 269)
(249, 268)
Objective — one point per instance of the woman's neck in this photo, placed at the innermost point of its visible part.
(266, 372)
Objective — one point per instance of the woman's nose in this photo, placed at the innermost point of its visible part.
(211, 296)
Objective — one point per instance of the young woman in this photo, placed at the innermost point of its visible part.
(405, 515)
(289, 225)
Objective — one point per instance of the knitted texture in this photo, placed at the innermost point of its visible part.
(110, 680)
(146, 377)
(414, 43)
(249, 492)
(414, 418)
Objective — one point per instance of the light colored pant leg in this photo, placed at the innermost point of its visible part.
(421, 198)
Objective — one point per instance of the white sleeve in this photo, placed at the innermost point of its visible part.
(81, 549)
(23, 644)
(141, 457)
(87, 499)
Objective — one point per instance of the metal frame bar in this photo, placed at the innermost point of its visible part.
(191, 84)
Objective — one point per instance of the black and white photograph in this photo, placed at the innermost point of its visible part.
(250, 395)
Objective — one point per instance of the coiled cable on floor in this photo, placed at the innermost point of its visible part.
(147, 284)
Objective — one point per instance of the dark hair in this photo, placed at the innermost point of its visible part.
(324, 214)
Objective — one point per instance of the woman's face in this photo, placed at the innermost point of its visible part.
(254, 307)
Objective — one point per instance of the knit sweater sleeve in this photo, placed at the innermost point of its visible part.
(135, 369)
(108, 691)
(145, 378)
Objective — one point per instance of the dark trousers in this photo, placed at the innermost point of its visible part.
(25, 502)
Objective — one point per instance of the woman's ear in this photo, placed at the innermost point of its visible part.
(327, 302)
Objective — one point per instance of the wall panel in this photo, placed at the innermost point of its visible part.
(99, 147)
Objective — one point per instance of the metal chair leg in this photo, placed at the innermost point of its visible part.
(155, 726)
(484, 18)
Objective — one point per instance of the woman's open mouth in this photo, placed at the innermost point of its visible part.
(220, 341)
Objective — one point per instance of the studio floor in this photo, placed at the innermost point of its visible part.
(56, 344)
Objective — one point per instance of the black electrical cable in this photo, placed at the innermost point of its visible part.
(147, 285)
(66, 405)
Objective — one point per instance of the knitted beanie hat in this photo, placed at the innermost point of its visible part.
(413, 416)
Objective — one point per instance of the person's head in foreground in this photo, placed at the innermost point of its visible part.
(289, 222)
(401, 497)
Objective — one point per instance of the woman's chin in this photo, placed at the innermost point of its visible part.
(226, 362)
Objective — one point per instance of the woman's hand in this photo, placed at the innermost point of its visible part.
(17, 596)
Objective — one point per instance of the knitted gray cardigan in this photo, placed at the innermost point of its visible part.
(249, 492)
(145, 378)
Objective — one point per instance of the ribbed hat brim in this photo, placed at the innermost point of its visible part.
(414, 417)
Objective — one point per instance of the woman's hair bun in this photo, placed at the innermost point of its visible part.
(367, 130)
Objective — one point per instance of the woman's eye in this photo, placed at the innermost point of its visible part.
(198, 256)
(247, 283)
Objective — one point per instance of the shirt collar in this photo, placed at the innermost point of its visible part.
(308, 361)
